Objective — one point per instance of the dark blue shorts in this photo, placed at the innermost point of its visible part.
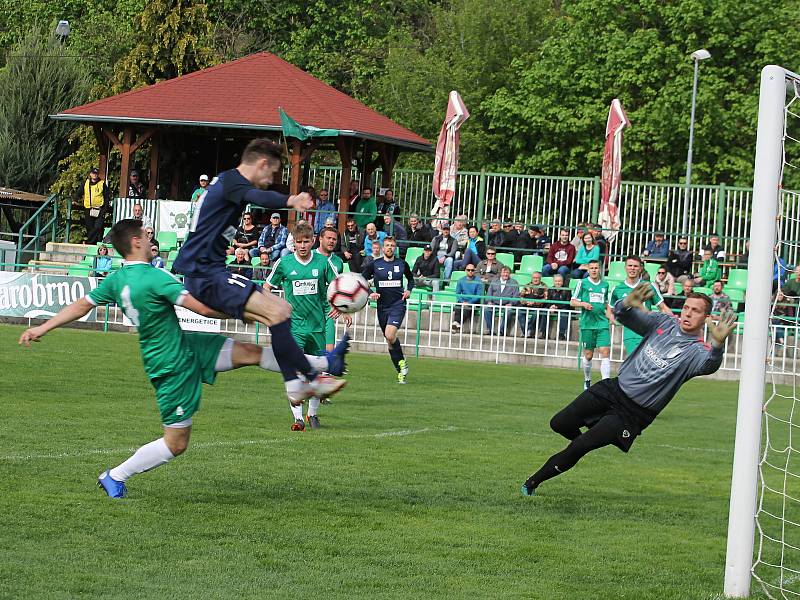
(223, 291)
(391, 315)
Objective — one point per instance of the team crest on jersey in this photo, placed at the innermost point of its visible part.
(396, 269)
(315, 272)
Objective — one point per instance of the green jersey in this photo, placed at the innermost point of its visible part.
(596, 294)
(148, 297)
(623, 289)
(305, 286)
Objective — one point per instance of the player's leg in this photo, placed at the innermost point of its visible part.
(391, 321)
(604, 350)
(315, 344)
(588, 337)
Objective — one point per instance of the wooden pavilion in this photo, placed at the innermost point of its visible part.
(199, 123)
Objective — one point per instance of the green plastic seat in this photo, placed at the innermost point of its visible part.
(230, 259)
(173, 254)
(91, 250)
(256, 261)
(522, 278)
(616, 270)
(506, 258)
(548, 281)
(735, 295)
(703, 290)
(412, 255)
(531, 263)
(418, 297)
(737, 279)
(167, 241)
(79, 270)
(652, 269)
(456, 275)
(446, 298)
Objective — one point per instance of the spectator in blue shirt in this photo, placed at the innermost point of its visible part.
(102, 262)
(780, 272)
(325, 210)
(657, 247)
(156, 259)
(371, 234)
(469, 292)
(272, 239)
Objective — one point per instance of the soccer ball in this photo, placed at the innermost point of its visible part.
(348, 293)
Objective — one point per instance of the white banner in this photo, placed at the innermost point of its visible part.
(191, 321)
(174, 216)
(41, 296)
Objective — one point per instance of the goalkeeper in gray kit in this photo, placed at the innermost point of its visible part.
(615, 411)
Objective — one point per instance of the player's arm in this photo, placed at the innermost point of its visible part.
(68, 314)
(708, 357)
(575, 300)
(275, 278)
(409, 279)
(272, 200)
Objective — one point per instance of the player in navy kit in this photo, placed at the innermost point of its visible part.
(202, 261)
(388, 272)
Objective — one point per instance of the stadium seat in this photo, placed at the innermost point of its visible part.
(116, 262)
(79, 270)
(652, 269)
(506, 258)
(91, 250)
(737, 279)
(573, 282)
(167, 240)
(703, 290)
(173, 254)
(105, 232)
(456, 275)
(230, 259)
(616, 270)
(531, 263)
(418, 297)
(256, 262)
(735, 295)
(412, 255)
(548, 281)
(522, 278)
(678, 288)
(447, 299)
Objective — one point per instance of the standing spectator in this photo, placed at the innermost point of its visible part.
(709, 270)
(495, 237)
(325, 210)
(135, 186)
(367, 208)
(522, 242)
(102, 262)
(96, 203)
(534, 297)
(375, 253)
(741, 262)
(354, 194)
(262, 271)
(475, 250)
(155, 258)
(588, 252)
(351, 246)
(717, 251)
(680, 299)
(680, 262)
(469, 293)
(196, 194)
(489, 268)
(247, 235)
(560, 256)
(419, 233)
(591, 296)
(444, 249)
(665, 282)
(560, 294)
(242, 265)
(719, 299)
(658, 247)
(273, 238)
(138, 214)
(461, 234)
(371, 234)
(503, 294)
(426, 269)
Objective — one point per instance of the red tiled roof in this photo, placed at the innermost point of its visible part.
(246, 93)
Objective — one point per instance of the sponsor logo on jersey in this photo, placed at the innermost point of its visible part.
(597, 297)
(654, 357)
(304, 287)
(390, 283)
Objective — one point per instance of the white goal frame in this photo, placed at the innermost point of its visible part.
(763, 234)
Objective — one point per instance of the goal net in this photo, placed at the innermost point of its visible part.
(764, 520)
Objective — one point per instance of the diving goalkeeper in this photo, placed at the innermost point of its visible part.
(617, 410)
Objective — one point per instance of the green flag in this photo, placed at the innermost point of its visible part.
(292, 128)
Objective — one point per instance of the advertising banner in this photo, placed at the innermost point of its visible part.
(174, 216)
(36, 296)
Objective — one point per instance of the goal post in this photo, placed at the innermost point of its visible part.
(769, 163)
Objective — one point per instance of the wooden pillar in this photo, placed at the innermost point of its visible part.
(127, 141)
(388, 156)
(102, 150)
(295, 159)
(152, 185)
(345, 148)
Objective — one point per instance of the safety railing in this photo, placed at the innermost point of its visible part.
(42, 226)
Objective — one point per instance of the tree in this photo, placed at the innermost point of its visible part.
(39, 79)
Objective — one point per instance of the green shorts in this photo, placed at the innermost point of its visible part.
(310, 342)
(330, 331)
(631, 342)
(595, 338)
(178, 394)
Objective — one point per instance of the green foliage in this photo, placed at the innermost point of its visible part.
(38, 80)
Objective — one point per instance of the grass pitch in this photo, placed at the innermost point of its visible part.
(407, 491)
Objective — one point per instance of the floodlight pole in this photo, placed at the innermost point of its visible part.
(697, 57)
(763, 230)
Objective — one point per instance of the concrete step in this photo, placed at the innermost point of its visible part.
(48, 268)
(61, 257)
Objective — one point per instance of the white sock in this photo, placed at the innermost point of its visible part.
(225, 357)
(293, 386)
(270, 363)
(605, 368)
(313, 405)
(147, 457)
(587, 369)
(297, 412)
(318, 363)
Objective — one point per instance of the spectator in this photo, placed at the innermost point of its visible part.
(658, 247)
(664, 281)
(588, 252)
(242, 265)
(503, 295)
(96, 203)
(135, 186)
(489, 268)
(196, 194)
(155, 258)
(138, 214)
(709, 270)
(580, 231)
(354, 194)
(719, 300)
(460, 232)
(394, 228)
(741, 262)
(678, 301)
(247, 235)
(785, 311)
(560, 256)
(791, 289)
(534, 297)
(444, 249)
(522, 242)
(426, 269)
(262, 271)
(102, 262)
(351, 246)
(469, 293)
(419, 233)
(151, 237)
(273, 238)
(325, 210)
(541, 242)
(367, 208)
(474, 252)
(386, 206)
(560, 294)
(601, 242)
(717, 251)
(375, 252)
(371, 234)
(780, 271)
(495, 237)
(680, 262)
